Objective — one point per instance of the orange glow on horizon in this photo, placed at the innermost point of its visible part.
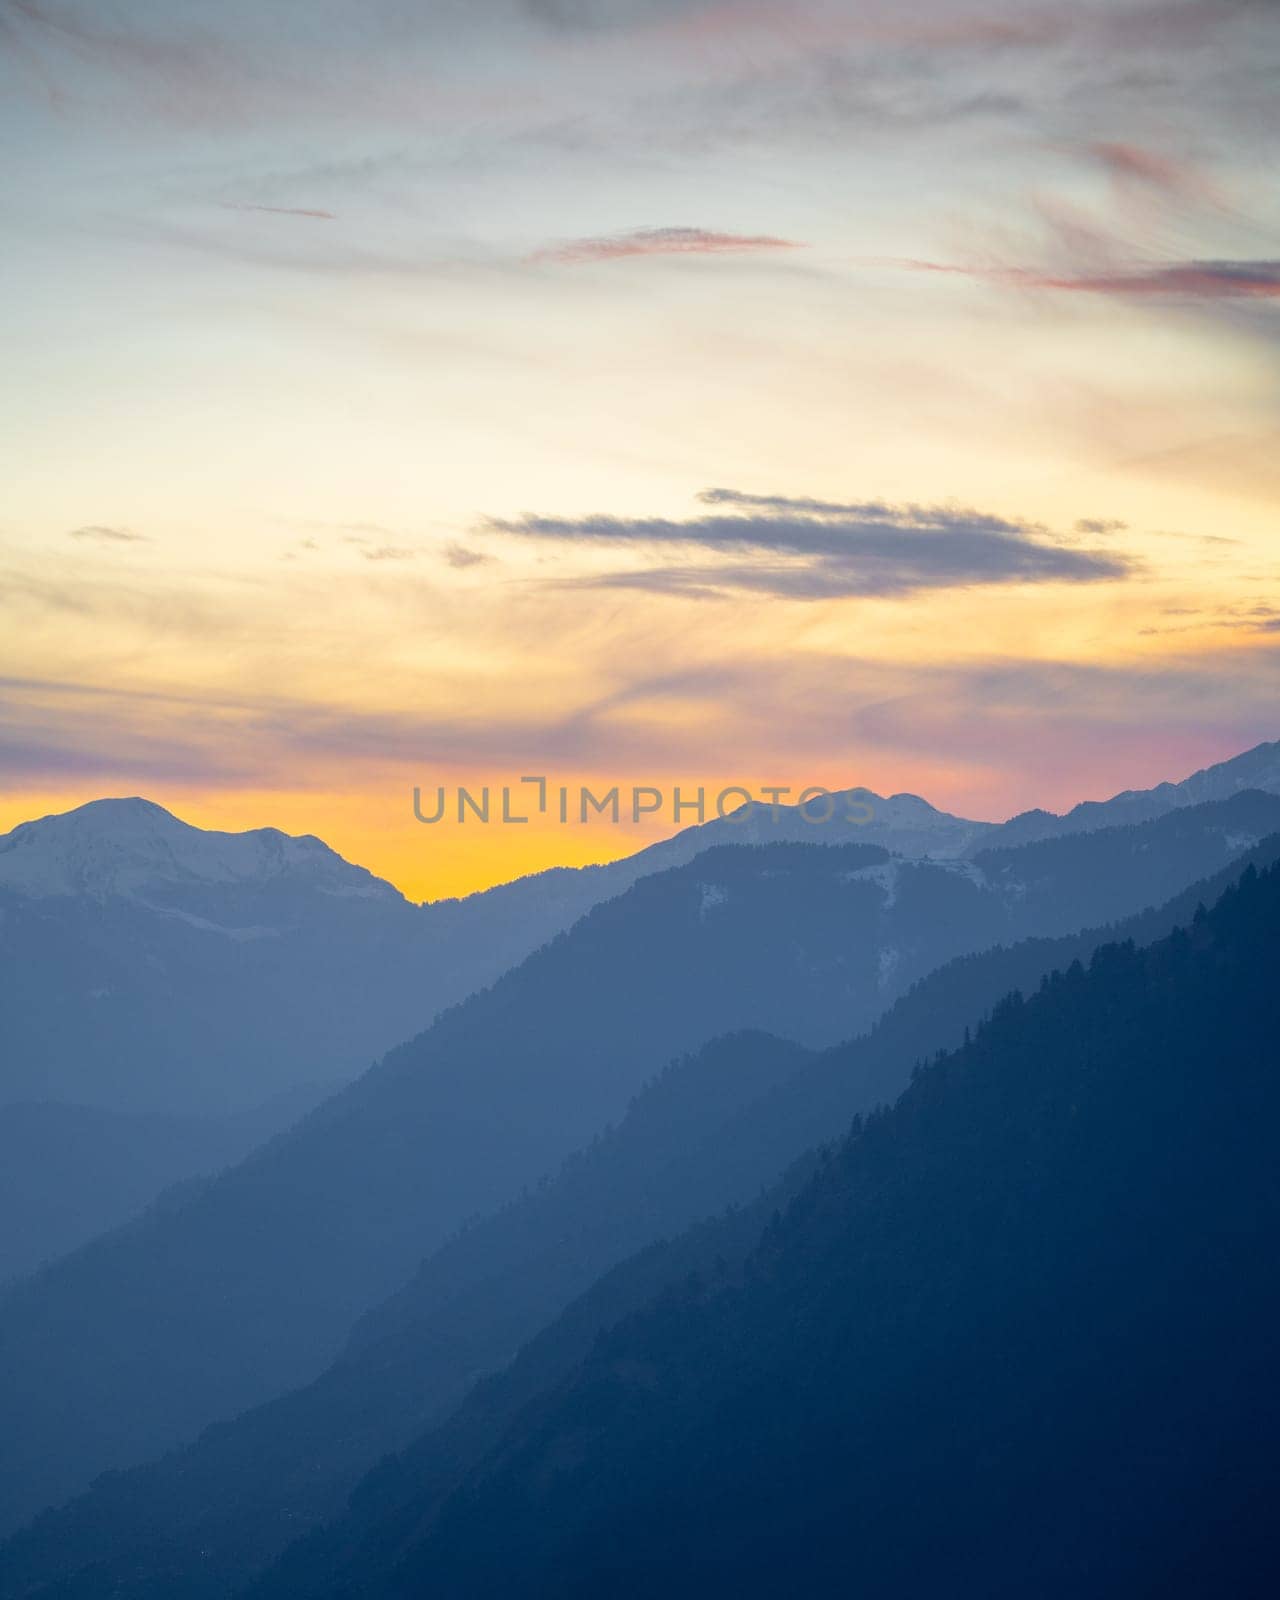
(374, 827)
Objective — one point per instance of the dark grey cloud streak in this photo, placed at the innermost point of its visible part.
(805, 549)
(279, 211)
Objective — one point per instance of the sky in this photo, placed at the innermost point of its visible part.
(637, 392)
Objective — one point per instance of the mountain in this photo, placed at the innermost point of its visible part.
(137, 850)
(147, 965)
(904, 824)
(908, 826)
(1258, 768)
(708, 1133)
(1019, 1327)
(201, 1520)
(68, 1173)
(247, 1287)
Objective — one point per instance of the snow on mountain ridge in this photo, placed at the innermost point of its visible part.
(1258, 768)
(120, 847)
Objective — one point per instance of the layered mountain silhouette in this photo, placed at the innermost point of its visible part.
(707, 1133)
(247, 1285)
(69, 1173)
(148, 965)
(252, 964)
(1013, 1336)
(909, 826)
(171, 989)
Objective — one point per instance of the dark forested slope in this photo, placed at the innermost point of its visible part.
(1016, 1335)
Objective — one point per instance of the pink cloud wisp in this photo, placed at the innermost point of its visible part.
(662, 242)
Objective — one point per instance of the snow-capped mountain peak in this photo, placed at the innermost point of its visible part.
(126, 847)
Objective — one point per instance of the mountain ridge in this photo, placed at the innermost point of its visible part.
(135, 1534)
(265, 1269)
(1019, 1325)
(1255, 768)
(117, 846)
(895, 821)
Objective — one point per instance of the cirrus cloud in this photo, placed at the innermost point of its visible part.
(1191, 280)
(279, 211)
(662, 242)
(100, 533)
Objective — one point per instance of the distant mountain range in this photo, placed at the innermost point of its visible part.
(1258, 768)
(909, 826)
(230, 1293)
(157, 976)
(146, 965)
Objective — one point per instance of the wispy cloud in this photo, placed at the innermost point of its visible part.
(462, 556)
(1187, 280)
(1198, 538)
(1135, 166)
(573, 16)
(1097, 526)
(278, 211)
(662, 242)
(101, 534)
(1173, 23)
(388, 552)
(1004, 732)
(1236, 617)
(1120, 250)
(805, 549)
(187, 69)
